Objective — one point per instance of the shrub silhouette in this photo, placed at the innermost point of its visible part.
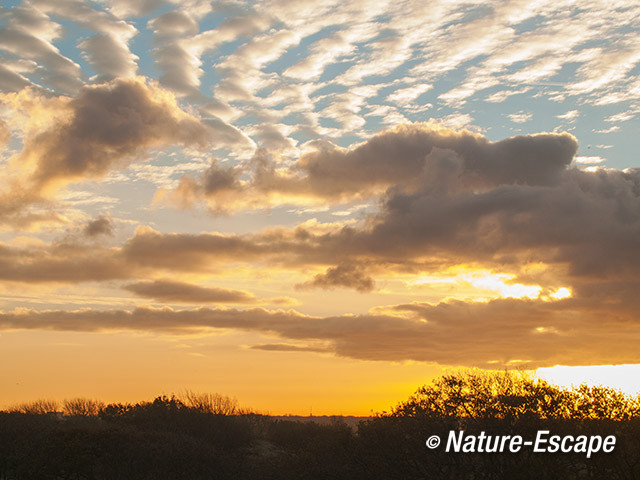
(82, 406)
(211, 403)
(501, 403)
(205, 436)
(37, 407)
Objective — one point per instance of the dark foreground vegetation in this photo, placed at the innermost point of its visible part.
(207, 437)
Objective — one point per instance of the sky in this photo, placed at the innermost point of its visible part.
(315, 206)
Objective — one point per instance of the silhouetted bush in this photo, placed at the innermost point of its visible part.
(198, 436)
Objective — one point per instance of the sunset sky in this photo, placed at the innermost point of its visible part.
(315, 206)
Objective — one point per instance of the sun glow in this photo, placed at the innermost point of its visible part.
(625, 378)
(494, 285)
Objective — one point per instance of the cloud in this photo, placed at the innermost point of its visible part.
(29, 33)
(173, 23)
(170, 291)
(180, 46)
(405, 96)
(350, 276)
(108, 124)
(102, 129)
(491, 335)
(11, 80)
(589, 160)
(110, 56)
(406, 157)
(101, 225)
(5, 133)
(581, 224)
(107, 51)
(609, 66)
(61, 263)
(445, 198)
(216, 181)
(520, 117)
(126, 8)
(569, 116)
(285, 347)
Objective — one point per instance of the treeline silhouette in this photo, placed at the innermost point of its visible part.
(208, 436)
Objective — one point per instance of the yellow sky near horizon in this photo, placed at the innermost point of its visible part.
(133, 368)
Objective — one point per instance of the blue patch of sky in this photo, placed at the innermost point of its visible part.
(531, 24)
(268, 90)
(466, 14)
(214, 19)
(72, 35)
(635, 71)
(385, 91)
(142, 46)
(595, 43)
(494, 117)
(323, 103)
(383, 34)
(328, 89)
(374, 123)
(347, 140)
(303, 135)
(8, 5)
(624, 153)
(247, 119)
(210, 77)
(329, 123)
(336, 69)
(516, 66)
(566, 75)
(450, 79)
(378, 79)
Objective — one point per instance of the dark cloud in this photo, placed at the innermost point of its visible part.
(63, 262)
(216, 180)
(455, 206)
(588, 222)
(180, 292)
(350, 276)
(196, 252)
(102, 129)
(101, 225)
(506, 332)
(583, 225)
(406, 159)
(108, 126)
(419, 155)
